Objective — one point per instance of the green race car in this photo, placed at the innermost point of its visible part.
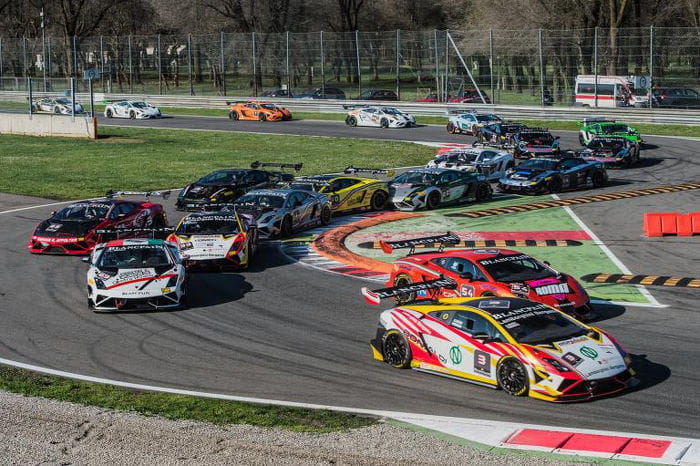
(601, 127)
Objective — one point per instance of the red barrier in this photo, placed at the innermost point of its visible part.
(671, 224)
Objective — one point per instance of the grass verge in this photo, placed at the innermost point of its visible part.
(142, 158)
(170, 406)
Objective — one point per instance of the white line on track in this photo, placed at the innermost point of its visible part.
(20, 209)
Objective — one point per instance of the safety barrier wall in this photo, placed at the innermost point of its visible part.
(48, 125)
(671, 224)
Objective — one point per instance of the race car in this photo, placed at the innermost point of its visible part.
(280, 212)
(135, 274)
(469, 121)
(225, 186)
(484, 272)
(60, 105)
(598, 126)
(132, 109)
(550, 174)
(259, 111)
(534, 142)
(74, 229)
(499, 133)
(613, 151)
(348, 192)
(489, 161)
(430, 188)
(220, 240)
(521, 347)
(379, 117)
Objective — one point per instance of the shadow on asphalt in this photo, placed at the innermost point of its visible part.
(648, 373)
(605, 312)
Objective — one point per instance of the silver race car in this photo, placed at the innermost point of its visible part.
(135, 274)
(489, 161)
(132, 109)
(59, 106)
(280, 212)
(377, 116)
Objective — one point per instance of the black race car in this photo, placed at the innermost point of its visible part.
(612, 151)
(540, 175)
(225, 186)
(499, 133)
(534, 142)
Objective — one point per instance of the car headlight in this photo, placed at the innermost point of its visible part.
(557, 365)
(99, 284)
(172, 281)
(533, 183)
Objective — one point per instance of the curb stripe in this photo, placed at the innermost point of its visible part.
(488, 243)
(649, 280)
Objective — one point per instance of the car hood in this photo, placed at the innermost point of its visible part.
(115, 278)
(200, 190)
(404, 189)
(593, 359)
(73, 228)
(525, 174)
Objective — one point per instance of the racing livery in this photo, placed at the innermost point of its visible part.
(59, 105)
(489, 161)
(534, 142)
(348, 192)
(259, 111)
(135, 274)
(522, 347)
(485, 272)
(470, 121)
(75, 228)
(499, 133)
(220, 240)
(379, 117)
(131, 109)
(540, 175)
(430, 188)
(613, 151)
(597, 126)
(225, 186)
(280, 212)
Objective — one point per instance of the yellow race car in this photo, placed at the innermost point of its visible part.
(349, 192)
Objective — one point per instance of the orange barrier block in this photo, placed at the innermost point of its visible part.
(695, 222)
(671, 223)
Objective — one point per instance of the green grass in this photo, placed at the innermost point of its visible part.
(130, 158)
(176, 406)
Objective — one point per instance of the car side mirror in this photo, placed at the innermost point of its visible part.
(467, 276)
(85, 259)
(53, 212)
(556, 137)
(546, 263)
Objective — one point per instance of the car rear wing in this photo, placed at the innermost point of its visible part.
(372, 171)
(118, 232)
(375, 296)
(596, 119)
(494, 145)
(112, 193)
(535, 129)
(354, 106)
(459, 111)
(310, 180)
(449, 238)
(257, 164)
(212, 206)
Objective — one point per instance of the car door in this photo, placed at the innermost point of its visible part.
(451, 186)
(573, 173)
(296, 209)
(467, 275)
(123, 215)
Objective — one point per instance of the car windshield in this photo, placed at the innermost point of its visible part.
(415, 178)
(63, 101)
(608, 129)
(487, 117)
(391, 111)
(538, 164)
(140, 104)
(220, 177)
(641, 92)
(208, 225)
(540, 138)
(457, 156)
(265, 201)
(515, 268)
(81, 212)
(539, 324)
(134, 257)
(606, 144)
(269, 106)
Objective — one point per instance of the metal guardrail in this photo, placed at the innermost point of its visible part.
(642, 115)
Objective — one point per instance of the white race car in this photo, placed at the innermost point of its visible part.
(219, 240)
(490, 162)
(131, 109)
(377, 116)
(135, 274)
(60, 106)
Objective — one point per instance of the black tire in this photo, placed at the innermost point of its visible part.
(597, 179)
(379, 199)
(580, 139)
(286, 227)
(396, 350)
(433, 200)
(404, 280)
(132, 115)
(108, 113)
(512, 376)
(555, 185)
(233, 115)
(351, 121)
(483, 192)
(384, 123)
(90, 305)
(451, 128)
(57, 110)
(510, 165)
(262, 117)
(326, 215)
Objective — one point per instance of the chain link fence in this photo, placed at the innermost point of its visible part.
(505, 67)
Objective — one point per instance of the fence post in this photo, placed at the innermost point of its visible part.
(72, 98)
(131, 72)
(29, 90)
(438, 88)
(651, 64)
(75, 57)
(323, 71)
(447, 70)
(398, 64)
(24, 56)
(102, 65)
(189, 63)
(48, 59)
(223, 66)
(289, 76)
(595, 67)
(539, 40)
(255, 76)
(493, 95)
(359, 71)
(160, 75)
(2, 85)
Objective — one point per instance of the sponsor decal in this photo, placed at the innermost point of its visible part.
(442, 359)
(54, 227)
(559, 288)
(494, 304)
(523, 313)
(498, 260)
(445, 316)
(482, 362)
(455, 355)
(133, 275)
(466, 291)
(588, 352)
(572, 359)
(165, 290)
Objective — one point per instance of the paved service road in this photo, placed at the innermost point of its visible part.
(284, 331)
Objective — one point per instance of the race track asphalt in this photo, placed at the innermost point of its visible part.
(284, 331)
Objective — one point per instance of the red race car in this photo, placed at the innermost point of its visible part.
(74, 229)
(480, 272)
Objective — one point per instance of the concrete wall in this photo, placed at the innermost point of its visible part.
(48, 125)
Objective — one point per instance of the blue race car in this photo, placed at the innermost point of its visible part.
(540, 175)
(469, 121)
(499, 133)
(613, 151)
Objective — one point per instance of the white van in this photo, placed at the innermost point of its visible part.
(612, 91)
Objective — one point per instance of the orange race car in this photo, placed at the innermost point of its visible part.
(263, 111)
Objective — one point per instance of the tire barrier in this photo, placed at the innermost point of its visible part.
(671, 224)
(576, 200)
(647, 280)
(488, 243)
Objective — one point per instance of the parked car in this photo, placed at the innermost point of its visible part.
(379, 94)
(277, 93)
(469, 96)
(676, 97)
(321, 93)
